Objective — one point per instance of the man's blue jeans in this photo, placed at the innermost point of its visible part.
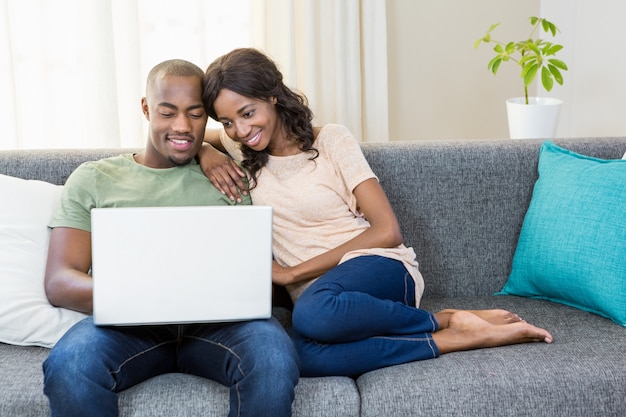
(360, 316)
(90, 365)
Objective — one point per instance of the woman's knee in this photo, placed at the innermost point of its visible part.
(315, 318)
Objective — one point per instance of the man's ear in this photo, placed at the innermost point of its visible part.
(145, 108)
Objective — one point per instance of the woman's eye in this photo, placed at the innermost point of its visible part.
(248, 113)
(227, 124)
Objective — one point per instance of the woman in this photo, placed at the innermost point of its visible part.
(337, 243)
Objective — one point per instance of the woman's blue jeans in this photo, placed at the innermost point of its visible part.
(90, 365)
(360, 316)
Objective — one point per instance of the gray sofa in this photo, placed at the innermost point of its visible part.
(461, 205)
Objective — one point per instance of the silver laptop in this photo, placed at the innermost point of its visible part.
(161, 265)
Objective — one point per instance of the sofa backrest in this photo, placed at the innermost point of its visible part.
(53, 165)
(460, 203)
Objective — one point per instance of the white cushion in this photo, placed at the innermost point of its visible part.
(26, 316)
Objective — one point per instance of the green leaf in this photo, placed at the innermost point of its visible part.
(558, 63)
(529, 59)
(529, 76)
(552, 49)
(492, 27)
(549, 27)
(530, 54)
(546, 79)
(494, 64)
(533, 47)
(558, 77)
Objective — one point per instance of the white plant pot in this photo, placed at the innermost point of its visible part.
(536, 120)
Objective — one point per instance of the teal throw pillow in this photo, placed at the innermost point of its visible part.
(572, 246)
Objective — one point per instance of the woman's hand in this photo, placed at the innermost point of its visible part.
(281, 275)
(384, 232)
(223, 172)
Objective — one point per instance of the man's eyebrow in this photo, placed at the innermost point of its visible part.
(173, 107)
(196, 106)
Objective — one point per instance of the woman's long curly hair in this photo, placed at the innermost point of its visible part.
(250, 73)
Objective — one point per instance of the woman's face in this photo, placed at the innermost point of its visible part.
(250, 121)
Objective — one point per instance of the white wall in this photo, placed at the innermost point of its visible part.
(439, 87)
(594, 90)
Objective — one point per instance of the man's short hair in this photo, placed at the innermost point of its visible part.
(173, 67)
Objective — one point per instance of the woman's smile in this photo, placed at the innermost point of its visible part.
(254, 140)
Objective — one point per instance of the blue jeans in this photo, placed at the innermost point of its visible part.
(90, 365)
(360, 316)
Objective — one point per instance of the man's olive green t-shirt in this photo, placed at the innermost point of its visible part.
(121, 182)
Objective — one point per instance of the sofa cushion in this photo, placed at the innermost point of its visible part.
(26, 316)
(21, 379)
(581, 373)
(572, 246)
(164, 395)
(188, 395)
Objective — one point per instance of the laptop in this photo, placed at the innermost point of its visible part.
(171, 265)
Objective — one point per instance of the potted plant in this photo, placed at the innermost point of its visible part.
(530, 117)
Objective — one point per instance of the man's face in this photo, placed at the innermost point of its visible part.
(177, 121)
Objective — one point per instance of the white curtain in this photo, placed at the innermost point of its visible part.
(72, 72)
(335, 52)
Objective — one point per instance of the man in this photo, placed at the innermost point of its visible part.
(91, 364)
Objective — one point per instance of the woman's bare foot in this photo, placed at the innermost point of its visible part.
(467, 330)
(493, 316)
